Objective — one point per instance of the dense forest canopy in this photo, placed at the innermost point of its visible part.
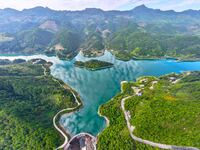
(93, 64)
(28, 101)
(166, 110)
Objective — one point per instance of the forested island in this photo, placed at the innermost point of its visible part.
(29, 98)
(162, 110)
(93, 64)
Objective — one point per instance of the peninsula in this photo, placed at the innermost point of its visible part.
(154, 113)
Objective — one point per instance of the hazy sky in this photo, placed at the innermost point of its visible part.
(177, 5)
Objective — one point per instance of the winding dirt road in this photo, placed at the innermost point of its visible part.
(153, 144)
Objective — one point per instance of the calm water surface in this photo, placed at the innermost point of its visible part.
(97, 87)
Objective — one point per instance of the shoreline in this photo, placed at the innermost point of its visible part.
(70, 110)
(75, 108)
(155, 58)
(110, 51)
(56, 118)
(107, 120)
(95, 69)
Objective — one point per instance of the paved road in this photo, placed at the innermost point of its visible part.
(153, 144)
(67, 109)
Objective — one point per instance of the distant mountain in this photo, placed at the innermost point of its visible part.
(142, 9)
(146, 23)
(39, 15)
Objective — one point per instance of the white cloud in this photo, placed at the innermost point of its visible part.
(103, 4)
(180, 5)
(177, 5)
(64, 4)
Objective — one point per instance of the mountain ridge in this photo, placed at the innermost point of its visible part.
(140, 32)
(144, 7)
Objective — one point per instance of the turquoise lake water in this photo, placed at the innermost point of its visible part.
(98, 87)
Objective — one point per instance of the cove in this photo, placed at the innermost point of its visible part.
(98, 87)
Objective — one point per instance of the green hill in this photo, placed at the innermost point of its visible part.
(149, 45)
(34, 41)
(93, 64)
(166, 111)
(69, 42)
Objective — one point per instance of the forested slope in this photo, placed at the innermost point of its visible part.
(141, 33)
(28, 101)
(163, 110)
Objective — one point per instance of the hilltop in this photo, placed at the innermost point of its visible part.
(161, 110)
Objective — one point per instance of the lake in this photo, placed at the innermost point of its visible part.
(98, 87)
